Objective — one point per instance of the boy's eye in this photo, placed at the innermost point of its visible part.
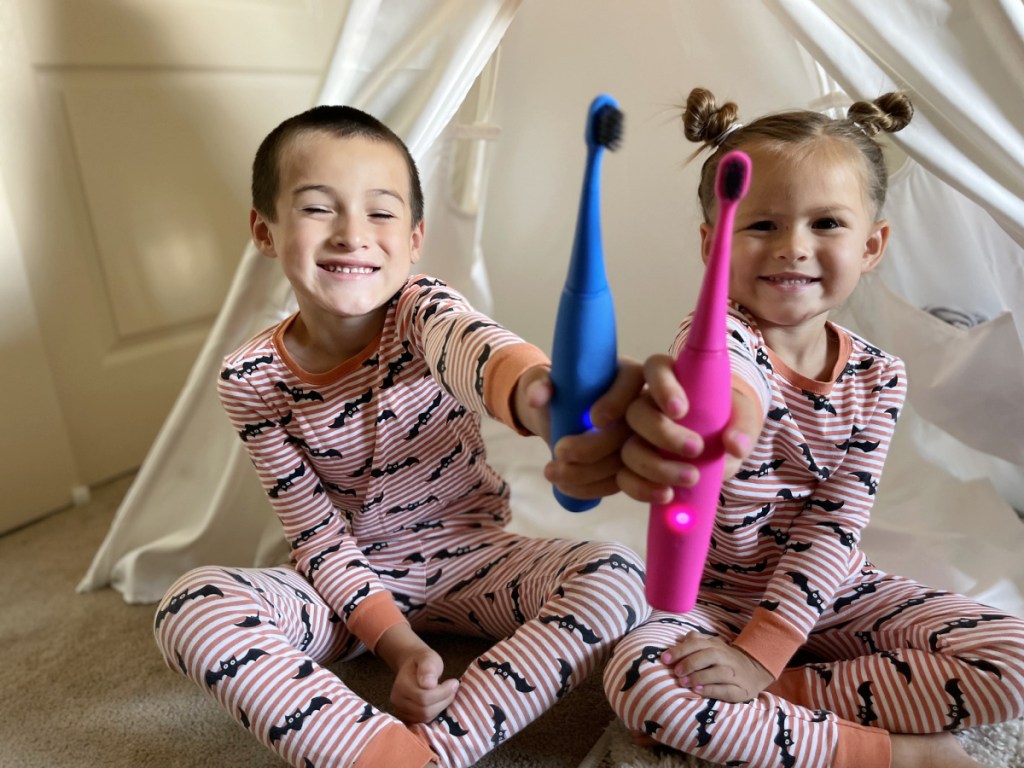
(315, 209)
(382, 216)
(826, 222)
(762, 226)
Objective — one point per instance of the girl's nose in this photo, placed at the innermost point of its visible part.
(793, 245)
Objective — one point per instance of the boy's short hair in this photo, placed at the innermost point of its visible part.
(336, 120)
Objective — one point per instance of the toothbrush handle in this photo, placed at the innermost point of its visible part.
(679, 533)
(584, 363)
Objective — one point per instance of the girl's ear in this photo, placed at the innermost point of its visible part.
(416, 242)
(705, 243)
(874, 248)
(262, 237)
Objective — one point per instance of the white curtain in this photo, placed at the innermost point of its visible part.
(196, 499)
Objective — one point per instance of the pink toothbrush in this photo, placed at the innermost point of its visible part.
(679, 532)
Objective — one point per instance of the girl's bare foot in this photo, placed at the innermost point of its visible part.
(932, 750)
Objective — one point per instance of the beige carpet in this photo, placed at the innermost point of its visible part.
(82, 683)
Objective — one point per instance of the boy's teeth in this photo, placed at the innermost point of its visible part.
(349, 270)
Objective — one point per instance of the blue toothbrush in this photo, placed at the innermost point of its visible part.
(584, 358)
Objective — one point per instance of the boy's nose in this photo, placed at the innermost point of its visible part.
(348, 234)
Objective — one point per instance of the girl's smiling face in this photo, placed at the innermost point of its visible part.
(803, 236)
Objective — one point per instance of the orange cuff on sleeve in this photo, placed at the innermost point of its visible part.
(373, 617)
(770, 640)
(394, 746)
(860, 746)
(503, 372)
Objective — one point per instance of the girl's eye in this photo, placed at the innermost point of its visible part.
(762, 226)
(826, 222)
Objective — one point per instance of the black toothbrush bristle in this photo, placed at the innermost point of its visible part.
(734, 178)
(606, 127)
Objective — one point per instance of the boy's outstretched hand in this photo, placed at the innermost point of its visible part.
(647, 475)
(418, 694)
(584, 466)
(715, 669)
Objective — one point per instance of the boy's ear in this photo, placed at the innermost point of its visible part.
(261, 234)
(874, 248)
(705, 242)
(416, 242)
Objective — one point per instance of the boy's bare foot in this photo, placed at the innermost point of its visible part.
(932, 750)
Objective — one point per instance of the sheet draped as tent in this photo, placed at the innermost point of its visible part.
(196, 499)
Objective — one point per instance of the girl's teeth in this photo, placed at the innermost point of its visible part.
(350, 270)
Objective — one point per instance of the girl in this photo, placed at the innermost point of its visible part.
(888, 667)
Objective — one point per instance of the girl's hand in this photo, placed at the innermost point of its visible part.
(716, 670)
(655, 457)
(418, 695)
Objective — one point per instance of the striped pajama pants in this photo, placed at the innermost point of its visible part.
(899, 658)
(257, 641)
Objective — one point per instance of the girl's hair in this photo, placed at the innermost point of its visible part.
(336, 120)
(718, 128)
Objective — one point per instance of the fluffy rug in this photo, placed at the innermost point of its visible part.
(996, 746)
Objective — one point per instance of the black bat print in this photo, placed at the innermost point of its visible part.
(901, 666)
(480, 363)
(351, 408)
(777, 414)
(498, 718)
(307, 636)
(761, 471)
(875, 351)
(713, 584)
(826, 505)
(249, 622)
(769, 605)
(822, 472)
(427, 282)
(442, 361)
(434, 308)
(453, 725)
(247, 367)
(746, 521)
(386, 415)
(433, 578)
(783, 739)
(514, 593)
(298, 393)
(859, 590)
(782, 538)
(285, 420)
(984, 666)
(243, 718)
(504, 670)
(757, 567)
(824, 672)
(305, 670)
(329, 453)
(958, 711)
(785, 493)
(369, 504)
(403, 599)
(867, 481)
(904, 606)
(343, 491)
(229, 667)
(955, 624)
(366, 714)
(445, 463)
(360, 594)
(480, 573)
(615, 562)
(415, 557)
(651, 727)
(412, 505)
(318, 560)
(868, 639)
(252, 430)
(846, 538)
(475, 621)
(894, 413)
(423, 525)
(176, 603)
(396, 366)
(393, 573)
(648, 654)
(297, 719)
(705, 718)
(475, 454)
(476, 325)
(851, 369)
(423, 418)
(813, 596)
(394, 467)
(448, 554)
(630, 617)
(571, 624)
(861, 445)
(762, 359)
(890, 384)
(362, 470)
(455, 413)
(820, 402)
(284, 483)
(372, 362)
(564, 677)
(866, 712)
(307, 534)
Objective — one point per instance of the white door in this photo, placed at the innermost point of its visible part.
(128, 129)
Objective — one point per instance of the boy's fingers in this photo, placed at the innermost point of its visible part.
(611, 406)
(664, 387)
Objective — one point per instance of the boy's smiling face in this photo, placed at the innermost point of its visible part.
(343, 230)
